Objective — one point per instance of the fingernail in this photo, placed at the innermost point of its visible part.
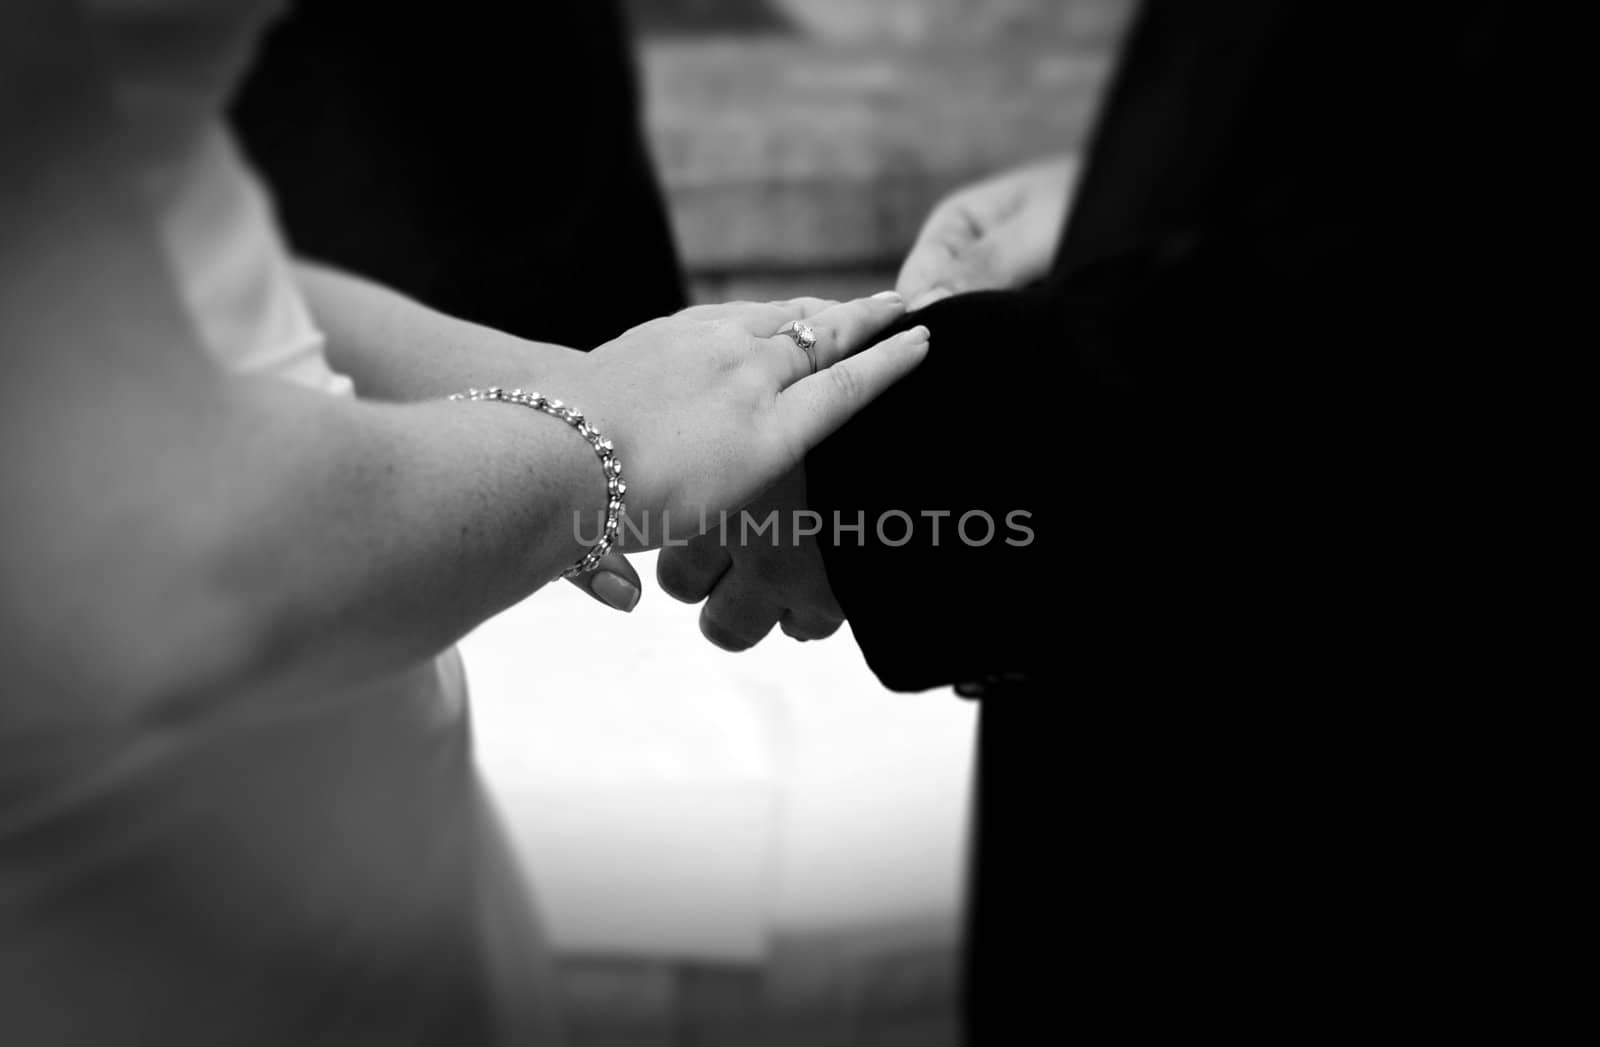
(919, 333)
(887, 296)
(615, 590)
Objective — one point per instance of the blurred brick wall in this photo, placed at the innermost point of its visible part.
(802, 141)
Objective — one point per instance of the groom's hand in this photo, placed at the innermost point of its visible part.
(997, 234)
(751, 581)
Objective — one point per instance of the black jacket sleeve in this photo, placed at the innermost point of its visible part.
(1196, 410)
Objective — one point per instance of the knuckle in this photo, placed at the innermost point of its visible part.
(679, 580)
(707, 557)
(754, 384)
(765, 565)
(809, 626)
(723, 636)
(699, 314)
(677, 586)
(826, 627)
(810, 303)
(710, 330)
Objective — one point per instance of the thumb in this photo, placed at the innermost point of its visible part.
(942, 268)
(935, 260)
(614, 582)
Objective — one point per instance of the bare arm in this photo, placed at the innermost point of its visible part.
(395, 348)
(173, 535)
(172, 532)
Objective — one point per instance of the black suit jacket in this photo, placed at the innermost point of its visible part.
(1286, 206)
(1289, 210)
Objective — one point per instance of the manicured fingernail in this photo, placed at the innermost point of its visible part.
(918, 333)
(887, 296)
(615, 590)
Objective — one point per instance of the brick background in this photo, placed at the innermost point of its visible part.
(801, 142)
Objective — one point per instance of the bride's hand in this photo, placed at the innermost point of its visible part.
(709, 406)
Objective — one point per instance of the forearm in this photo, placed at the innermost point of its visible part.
(396, 349)
(283, 542)
(369, 536)
(174, 535)
(183, 536)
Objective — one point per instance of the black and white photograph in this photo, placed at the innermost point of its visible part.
(743, 523)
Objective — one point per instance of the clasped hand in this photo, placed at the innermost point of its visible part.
(997, 234)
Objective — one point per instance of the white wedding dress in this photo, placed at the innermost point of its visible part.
(323, 873)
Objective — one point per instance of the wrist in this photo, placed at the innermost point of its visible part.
(609, 484)
(611, 406)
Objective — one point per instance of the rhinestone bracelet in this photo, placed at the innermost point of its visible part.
(609, 463)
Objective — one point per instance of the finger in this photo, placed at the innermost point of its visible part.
(815, 406)
(838, 331)
(925, 271)
(932, 262)
(802, 627)
(847, 327)
(760, 319)
(738, 615)
(614, 582)
(802, 307)
(767, 318)
(764, 319)
(945, 269)
(882, 308)
(689, 572)
(1023, 250)
(928, 268)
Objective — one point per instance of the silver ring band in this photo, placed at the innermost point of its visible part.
(805, 337)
